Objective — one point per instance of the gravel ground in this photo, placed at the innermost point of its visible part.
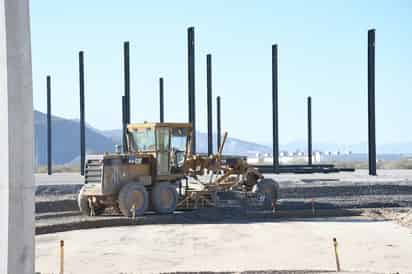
(327, 197)
(67, 222)
(305, 194)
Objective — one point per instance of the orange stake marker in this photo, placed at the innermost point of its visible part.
(335, 246)
(61, 257)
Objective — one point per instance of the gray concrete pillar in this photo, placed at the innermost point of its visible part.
(16, 140)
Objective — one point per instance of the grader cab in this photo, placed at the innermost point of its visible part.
(157, 158)
(145, 174)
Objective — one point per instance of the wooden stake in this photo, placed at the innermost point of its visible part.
(335, 246)
(61, 257)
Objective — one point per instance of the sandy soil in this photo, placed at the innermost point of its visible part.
(364, 245)
(402, 216)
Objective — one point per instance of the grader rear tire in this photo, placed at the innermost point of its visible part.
(164, 198)
(269, 189)
(133, 199)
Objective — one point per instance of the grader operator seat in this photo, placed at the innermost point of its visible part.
(167, 142)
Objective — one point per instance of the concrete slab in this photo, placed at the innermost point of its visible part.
(16, 140)
(364, 245)
(385, 176)
(58, 179)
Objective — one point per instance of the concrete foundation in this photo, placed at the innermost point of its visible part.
(16, 140)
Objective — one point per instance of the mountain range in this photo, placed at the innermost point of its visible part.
(66, 142)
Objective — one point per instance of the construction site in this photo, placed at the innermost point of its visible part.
(174, 210)
(156, 203)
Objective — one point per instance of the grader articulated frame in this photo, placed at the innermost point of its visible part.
(157, 159)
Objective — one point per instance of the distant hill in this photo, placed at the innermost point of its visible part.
(232, 146)
(66, 140)
(114, 134)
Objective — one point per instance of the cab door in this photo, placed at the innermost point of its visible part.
(163, 153)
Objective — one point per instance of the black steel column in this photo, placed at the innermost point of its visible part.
(371, 102)
(209, 105)
(126, 56)
(189, 72)
(219, 133)
(275, 111)
(309, 130)
(191, 82)
(124, 124)
(49, 127)
(82, 123)
(161, 99)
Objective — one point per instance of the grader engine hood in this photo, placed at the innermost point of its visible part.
(106, 174)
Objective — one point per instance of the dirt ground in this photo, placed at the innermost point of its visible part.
(234, 239)
(402, 216)
(365, 244)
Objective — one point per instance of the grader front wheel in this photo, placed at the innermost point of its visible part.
(164, 197)
(133, 199)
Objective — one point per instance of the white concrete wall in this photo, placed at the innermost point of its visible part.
(16, 140)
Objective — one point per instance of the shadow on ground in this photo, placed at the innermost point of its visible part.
(199, 216)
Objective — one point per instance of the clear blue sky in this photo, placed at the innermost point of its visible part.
(322, 53)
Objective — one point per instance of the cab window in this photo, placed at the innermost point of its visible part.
(178, 146)
(143, 140)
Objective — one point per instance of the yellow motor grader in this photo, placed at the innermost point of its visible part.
(156, 162)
